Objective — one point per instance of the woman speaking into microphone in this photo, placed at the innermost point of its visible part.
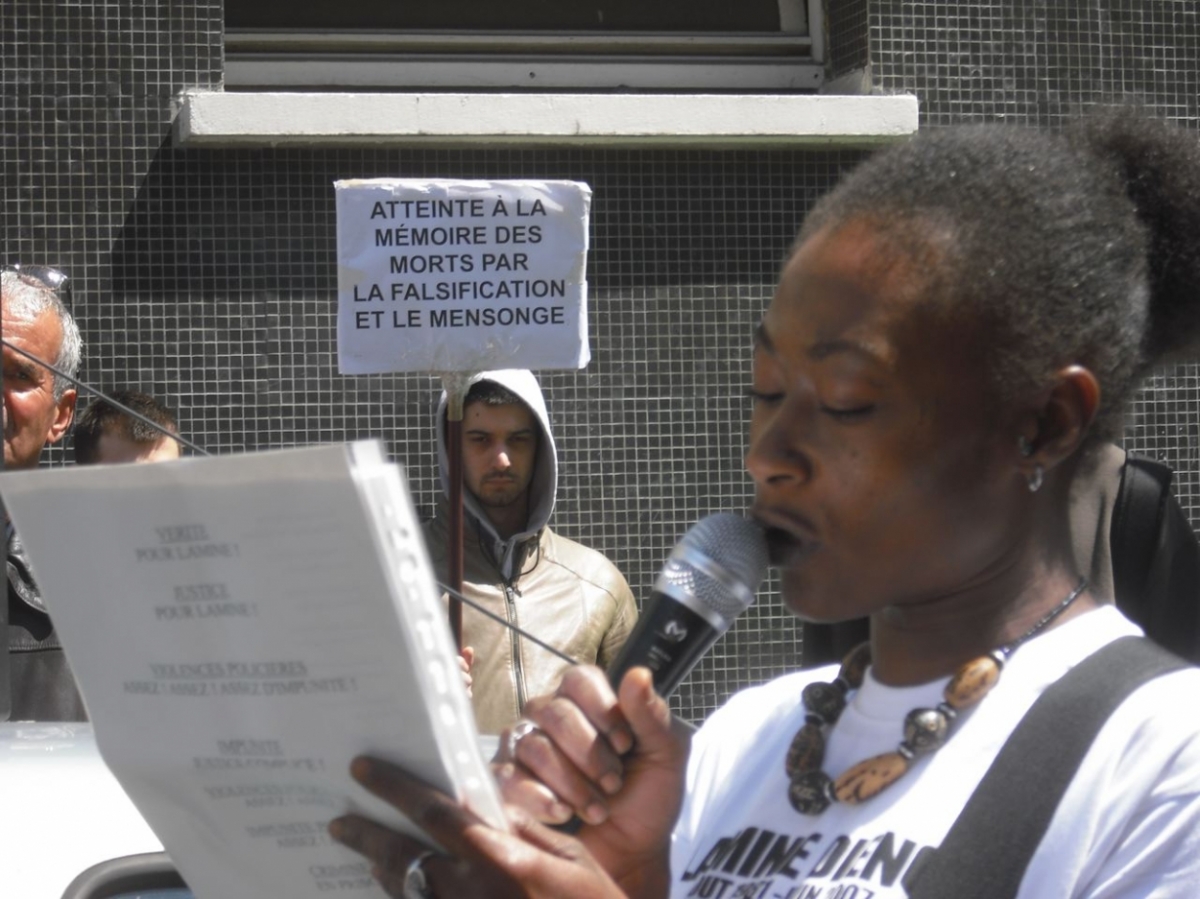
(959, 325)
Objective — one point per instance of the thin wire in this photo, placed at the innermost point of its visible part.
(179, 438)
(508, 624)
(454, 593)
(679, 722)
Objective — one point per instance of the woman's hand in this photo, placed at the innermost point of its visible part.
(618, 763)
(531, 861)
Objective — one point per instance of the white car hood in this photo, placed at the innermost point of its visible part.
(62, 812)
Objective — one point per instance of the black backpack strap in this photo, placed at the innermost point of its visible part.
(1156, 558)
(985, 854)
(1137, 517)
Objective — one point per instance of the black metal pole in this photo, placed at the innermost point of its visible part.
(455, 387)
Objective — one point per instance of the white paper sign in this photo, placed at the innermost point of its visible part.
(445, 276)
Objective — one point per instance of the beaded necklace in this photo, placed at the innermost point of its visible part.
(925, 730)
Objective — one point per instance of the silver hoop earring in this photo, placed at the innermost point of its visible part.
(1024, 446)
(1036, 477)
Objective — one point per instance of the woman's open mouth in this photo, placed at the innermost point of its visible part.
(785, 545)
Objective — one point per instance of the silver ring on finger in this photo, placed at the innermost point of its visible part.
(416, 882)
(522, 729)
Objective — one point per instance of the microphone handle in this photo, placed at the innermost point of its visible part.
(669, 641)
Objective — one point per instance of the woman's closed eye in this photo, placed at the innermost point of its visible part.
(849, 413)
(763, 396)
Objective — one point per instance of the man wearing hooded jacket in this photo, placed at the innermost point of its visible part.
(514, 565)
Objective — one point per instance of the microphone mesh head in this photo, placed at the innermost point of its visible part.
(720, 561)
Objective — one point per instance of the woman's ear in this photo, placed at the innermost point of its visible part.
(1058, 427)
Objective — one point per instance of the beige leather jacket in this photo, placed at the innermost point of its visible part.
(567, 595)
(563, 593)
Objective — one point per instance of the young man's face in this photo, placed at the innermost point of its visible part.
(500, 446)
(113, 448)
(33, 416)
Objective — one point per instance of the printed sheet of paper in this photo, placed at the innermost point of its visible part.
(461, 276)
(242, 627)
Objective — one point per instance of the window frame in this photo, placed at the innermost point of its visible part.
(505, 61)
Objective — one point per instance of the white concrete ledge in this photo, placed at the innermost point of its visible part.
(220, 119)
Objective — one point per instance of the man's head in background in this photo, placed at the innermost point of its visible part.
(38, 405)
(500, 445)
(105, 434)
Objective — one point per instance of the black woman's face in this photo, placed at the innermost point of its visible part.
(878, 465)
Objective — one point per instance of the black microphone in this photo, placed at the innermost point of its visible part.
(709, 579)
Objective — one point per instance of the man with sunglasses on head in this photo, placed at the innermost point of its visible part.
(38, 408)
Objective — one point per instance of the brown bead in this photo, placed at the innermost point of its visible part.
(972, 682)
(807, 750)
(809, 793)
(869, 778)
(854, 665)
(826, 701)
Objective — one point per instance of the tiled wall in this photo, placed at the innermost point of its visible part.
(846, 24)
(1037, 61)
(207, 276)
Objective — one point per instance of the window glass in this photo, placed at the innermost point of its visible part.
(524, 16)
(524, 44)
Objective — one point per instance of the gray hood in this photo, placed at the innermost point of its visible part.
(543, 487)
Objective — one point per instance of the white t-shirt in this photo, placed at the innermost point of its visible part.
(1128, 825)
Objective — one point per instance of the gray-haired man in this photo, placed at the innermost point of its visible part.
(38, 408)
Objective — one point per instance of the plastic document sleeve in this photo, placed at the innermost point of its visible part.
(241, 627)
